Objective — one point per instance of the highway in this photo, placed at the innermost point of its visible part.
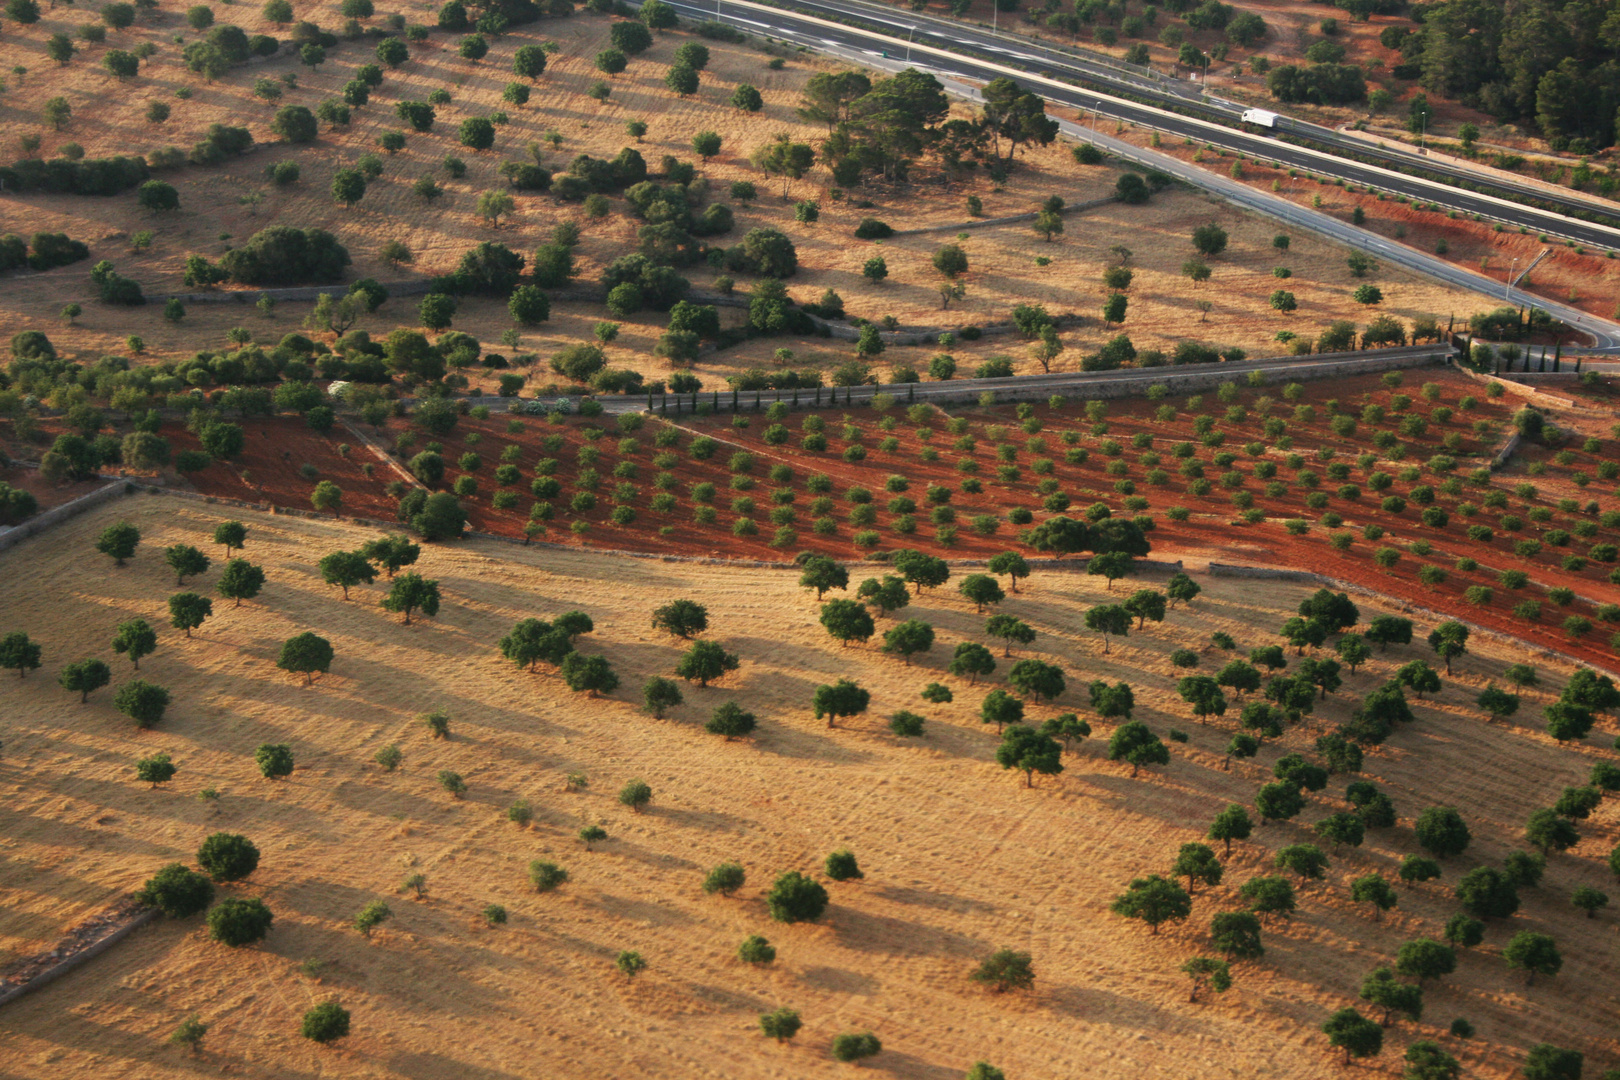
(1106, 72)
(968, 52)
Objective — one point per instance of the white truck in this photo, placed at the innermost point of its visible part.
(1260, 116)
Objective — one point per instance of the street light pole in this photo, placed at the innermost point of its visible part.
(1509, 283)
(909, 31)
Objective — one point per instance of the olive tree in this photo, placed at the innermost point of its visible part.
(19, 651)
(411, 592)
(186, 561)
(1029, 751)
(1534, 954)
(188, 610)
(706, 660)
(141, 701)
(660, 694)
(239, 581)
(1353, 1033)
(177, 891)
(683, 619)
(1005, 969)
(1197, 863)
(1133, 742)
(347, 569)
(85, 676)
(1231, 824)
(235, 921)
(1207, 972)
(135, 639)
(228, 856)
(119, 542)
(796, 898)
(843, 698)
(1442, 832)
(306, 654)
(909, 638)
(1154, 900)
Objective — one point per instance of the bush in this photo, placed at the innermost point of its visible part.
(325, 1023)
(852, 1046)
(236, 922)
(177, 891)
(796, 898)
(295, 123)
(228, 857)
(756, 950)
(283, 255)
(841, 866)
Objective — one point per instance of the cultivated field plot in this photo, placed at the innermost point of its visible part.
(960, 858)
(1270, 476)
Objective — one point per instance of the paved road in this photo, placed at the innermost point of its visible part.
(980, 55)
(855, 45)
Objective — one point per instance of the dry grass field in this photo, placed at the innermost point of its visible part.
(1004, 271)
(960, 858)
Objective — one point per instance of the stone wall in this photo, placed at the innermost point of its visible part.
(58, 514)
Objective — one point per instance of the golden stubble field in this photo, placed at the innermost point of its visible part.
(960, 858)
(110, 119)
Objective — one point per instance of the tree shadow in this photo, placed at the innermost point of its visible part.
(628, 908)
(900, 1063)
(840, 981)
(865, 931)
(430, 1066)
(928, 898)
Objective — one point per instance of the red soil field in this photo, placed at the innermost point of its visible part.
(276, 449)
(1114, 448)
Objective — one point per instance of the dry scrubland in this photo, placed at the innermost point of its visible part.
(959, 857)
(109, 119)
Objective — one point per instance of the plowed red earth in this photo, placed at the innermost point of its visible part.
(1213, 529)
(268, 469)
